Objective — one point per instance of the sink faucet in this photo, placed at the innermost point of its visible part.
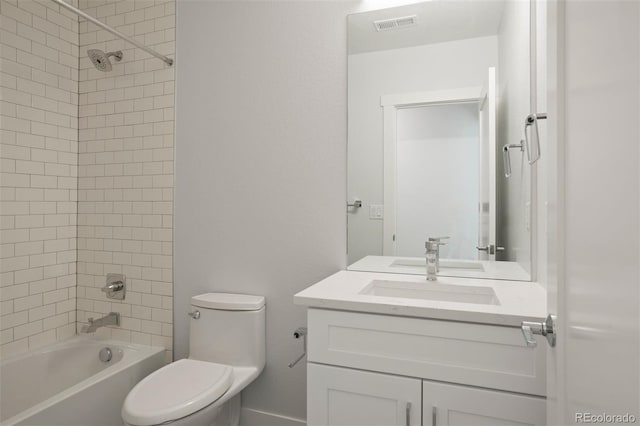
(113, 318)
(433, 256)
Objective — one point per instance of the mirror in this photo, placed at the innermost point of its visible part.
(436, 90)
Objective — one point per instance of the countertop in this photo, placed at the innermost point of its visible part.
(518, 300)
(417, 266)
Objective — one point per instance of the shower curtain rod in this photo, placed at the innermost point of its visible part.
(115, 32)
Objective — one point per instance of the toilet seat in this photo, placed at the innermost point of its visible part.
(176, 391)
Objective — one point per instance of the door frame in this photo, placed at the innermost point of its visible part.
(489, 95)
(553, 211)
(390, 105)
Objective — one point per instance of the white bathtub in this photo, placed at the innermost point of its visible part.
(67, 384)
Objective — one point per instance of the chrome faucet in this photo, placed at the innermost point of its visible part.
(113, 318)
(433, 256)
(432, 260)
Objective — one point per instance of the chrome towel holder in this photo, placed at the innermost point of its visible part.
(530, 126)
(506, 158)
(532, 121)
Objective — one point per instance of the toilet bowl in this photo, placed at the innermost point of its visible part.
(226, 353)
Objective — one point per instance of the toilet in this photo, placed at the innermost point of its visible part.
(226, 353)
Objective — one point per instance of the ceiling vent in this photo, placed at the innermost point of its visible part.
(395, 23)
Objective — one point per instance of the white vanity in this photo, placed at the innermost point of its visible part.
(388, 349)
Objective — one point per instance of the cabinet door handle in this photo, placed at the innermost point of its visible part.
(434, 416)
(408, 414)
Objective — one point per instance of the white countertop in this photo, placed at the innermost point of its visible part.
(496, 270)
(518, 301)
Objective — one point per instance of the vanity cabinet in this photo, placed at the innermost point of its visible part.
(342, 396)
(349, 397)
(364, 369)
(445, 404)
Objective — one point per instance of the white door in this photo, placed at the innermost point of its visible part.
(446, 404)
(391, 105)
(594, 259)
(487, 167)
(436, 194)
(344, 397)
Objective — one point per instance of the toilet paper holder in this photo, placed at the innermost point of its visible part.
(298, 333)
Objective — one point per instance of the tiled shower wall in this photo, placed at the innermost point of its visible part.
(125, 169)
(102, 194)
(38, 165)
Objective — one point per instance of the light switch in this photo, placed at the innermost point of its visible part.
(376, 211)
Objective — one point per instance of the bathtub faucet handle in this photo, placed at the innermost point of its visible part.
(115, 287)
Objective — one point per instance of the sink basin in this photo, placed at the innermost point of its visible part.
(432, 291)
(444, 264)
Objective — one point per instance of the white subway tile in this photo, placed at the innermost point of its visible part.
(30, 248)
(48, 27)
(31, 33)
(29, 167)
(44, 103)
(14, 208)
(27, 330)
(14, 235)
(14, 40)
(42, 339)
(27, 302)
(33, 7)
(42, 312)
(16, 124)
(13, 320)
(14, 291)
(41, 286)
(59, 19)
(53, 321)
(29, 140)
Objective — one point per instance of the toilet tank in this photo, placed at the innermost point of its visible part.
(230, 329)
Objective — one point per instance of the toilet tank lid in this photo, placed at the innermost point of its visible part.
(228, 301)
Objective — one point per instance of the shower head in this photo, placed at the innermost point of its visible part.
(101, 60)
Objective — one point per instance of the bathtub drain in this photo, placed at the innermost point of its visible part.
(105, 355)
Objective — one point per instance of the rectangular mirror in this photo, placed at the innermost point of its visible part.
(438, 93)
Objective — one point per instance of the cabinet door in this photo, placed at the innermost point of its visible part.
(454, 405)
(344, 397)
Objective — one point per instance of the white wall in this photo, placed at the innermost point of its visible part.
(260, 167)
(514, 193)
(430, 67)
(437, 179)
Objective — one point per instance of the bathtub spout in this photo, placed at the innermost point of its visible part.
(113, 318)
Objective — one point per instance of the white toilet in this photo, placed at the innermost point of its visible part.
(226, 353)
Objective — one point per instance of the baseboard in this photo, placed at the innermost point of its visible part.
(251, 417)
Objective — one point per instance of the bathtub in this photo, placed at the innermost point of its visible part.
(68, 384)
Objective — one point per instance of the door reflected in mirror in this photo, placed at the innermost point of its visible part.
(435, 91)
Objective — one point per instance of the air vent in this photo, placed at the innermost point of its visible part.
(395, 23)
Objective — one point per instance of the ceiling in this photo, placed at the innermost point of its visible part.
(437, 22)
